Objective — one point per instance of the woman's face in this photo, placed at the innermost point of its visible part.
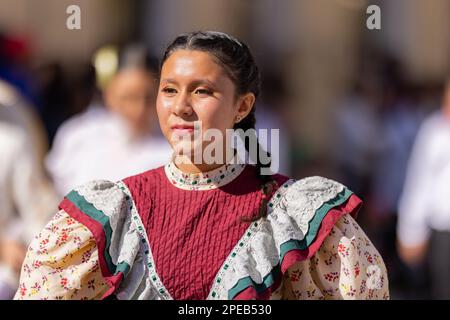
(131, 94)
(193, 87)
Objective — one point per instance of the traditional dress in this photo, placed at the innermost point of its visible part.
(164, 234)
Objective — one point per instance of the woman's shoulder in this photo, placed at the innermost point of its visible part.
(96, 199)
(309, 192)
(308, 208)
(101, 201)
(149, 177)
(305, 210)
(311, 185)
(94, 234)
(107, 210)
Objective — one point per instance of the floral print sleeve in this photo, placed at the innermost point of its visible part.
(347, 266)
(62, 263)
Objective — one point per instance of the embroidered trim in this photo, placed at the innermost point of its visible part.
(135, 218)
(203, 181)
(215, 292)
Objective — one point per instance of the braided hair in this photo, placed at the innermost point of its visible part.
(237, 61)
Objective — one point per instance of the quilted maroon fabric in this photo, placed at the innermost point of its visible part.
(191, 233)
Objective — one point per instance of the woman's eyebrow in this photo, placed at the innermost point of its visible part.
(193, 83)
(203, 82)
(169, 80)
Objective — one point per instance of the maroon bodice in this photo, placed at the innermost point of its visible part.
(191, 232)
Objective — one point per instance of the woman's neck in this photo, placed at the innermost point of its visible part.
(186, 164)
(196, 168)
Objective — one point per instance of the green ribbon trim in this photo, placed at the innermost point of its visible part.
(123, 267)
(314, 225)
(247, 282)
(87, 208)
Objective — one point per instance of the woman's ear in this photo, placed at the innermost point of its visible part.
(244, 105)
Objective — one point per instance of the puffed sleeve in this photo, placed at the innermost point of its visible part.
(308, 247)
(62, 263)
(89, 250)
(346, 266)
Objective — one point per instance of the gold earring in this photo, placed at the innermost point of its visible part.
(238, 119)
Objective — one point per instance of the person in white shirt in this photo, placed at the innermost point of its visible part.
(26, 196)
(115, 141)
(423, 229)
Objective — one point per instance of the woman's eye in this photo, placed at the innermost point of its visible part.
(169, 90)
(206, 92)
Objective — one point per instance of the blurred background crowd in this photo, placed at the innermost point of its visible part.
(369, 108)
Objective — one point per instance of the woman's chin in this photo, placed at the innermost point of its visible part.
(185, 152)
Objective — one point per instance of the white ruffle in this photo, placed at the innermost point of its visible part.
(290, 219)
(108, 198)
(126, 242)
(293, 207)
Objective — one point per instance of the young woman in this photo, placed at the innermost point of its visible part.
(205, 231)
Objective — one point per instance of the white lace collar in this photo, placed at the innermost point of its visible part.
(205, 180)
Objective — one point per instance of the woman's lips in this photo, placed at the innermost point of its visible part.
(182, 128)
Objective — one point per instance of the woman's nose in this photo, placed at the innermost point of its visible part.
(183, 106)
